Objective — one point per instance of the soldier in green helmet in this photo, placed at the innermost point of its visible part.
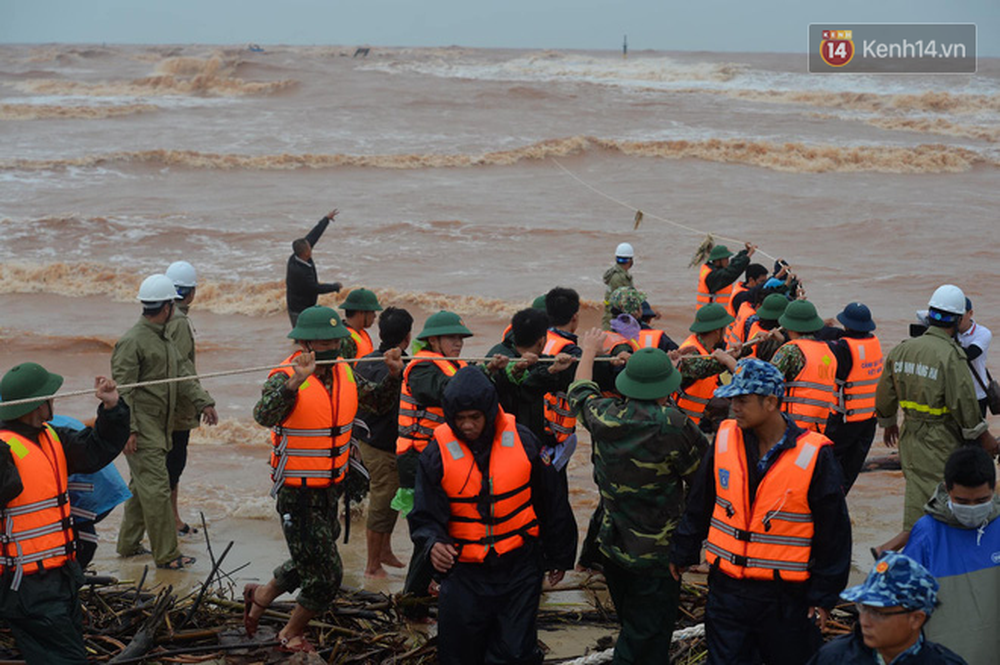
(703, 357)
(310, 408)
(644, 452)
(720, 272)
(361, 307)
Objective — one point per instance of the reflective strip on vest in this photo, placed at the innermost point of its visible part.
(857, 392)
(722, 296)
(768, 535)
(691, 401)
(511, 515)
(311, 445)
(558, 415)
(417, 421)
(812, 395)
(37, 525)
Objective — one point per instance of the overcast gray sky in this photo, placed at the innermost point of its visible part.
(710, 25)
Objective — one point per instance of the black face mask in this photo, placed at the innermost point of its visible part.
(329, 354)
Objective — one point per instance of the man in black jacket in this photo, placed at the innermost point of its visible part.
(302, 287)
(494, 517)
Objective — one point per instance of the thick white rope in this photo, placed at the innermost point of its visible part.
(649, 214)
(606, 656)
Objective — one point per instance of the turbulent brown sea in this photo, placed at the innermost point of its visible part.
(444, 162)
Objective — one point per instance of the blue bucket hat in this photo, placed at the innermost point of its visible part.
(754, 377)
(857, 316)
(895, 580)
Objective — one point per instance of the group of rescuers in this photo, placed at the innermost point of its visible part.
(741, 442)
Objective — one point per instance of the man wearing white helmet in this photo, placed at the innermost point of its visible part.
(145, 353)
(616, 277)
(181, 332)
(928, 378)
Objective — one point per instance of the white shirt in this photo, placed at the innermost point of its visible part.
(979, 336)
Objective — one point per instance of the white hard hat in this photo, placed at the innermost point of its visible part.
(625, 251)
(183, 274)
(157, 288)
(948, 298)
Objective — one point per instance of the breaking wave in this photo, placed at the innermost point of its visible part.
(214, 76)
(51, 111)
(937, 102)
(791, 157)
(938, 126)
(243, 297)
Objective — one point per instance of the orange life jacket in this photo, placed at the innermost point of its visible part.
(312, 444)
(613, 339)
(738, 288)
(857, 392)
(37, 531)
(649, 338)
(693, 399)
(722, 296)
(511, 515)
(362, 340)
(417, 421)
(559, 420)
(506, 331)
(812, 395)
(754, 331)
(736, 329)
(768, 536)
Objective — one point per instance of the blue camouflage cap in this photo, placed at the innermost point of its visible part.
(895, 580)
(754, 377)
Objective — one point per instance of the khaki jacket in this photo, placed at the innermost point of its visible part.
(181, 332)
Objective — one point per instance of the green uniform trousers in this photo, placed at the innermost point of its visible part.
(149, 509)
(924, 447)
(44, 616)
(311, 527)
(647, 609)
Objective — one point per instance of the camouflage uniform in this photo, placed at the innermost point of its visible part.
(643, 453)
(615, 277)
(789, 359)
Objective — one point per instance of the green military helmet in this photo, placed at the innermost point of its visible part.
(361, 300)
(539, 303)
(444, 323)
(719, 252)
(800, 316)
(319, 323)
(648, 375)
(773, 307)
(711, 317)
(25, 381)
(627, 299)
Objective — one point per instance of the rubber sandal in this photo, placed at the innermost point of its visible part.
(250, 623)
(187, 530)
(179, 563)
(302, 646)
(137, 552)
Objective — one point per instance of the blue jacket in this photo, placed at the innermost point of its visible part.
(966, 563)
(851, 650)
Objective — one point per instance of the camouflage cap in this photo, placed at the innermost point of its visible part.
(895, 580)
(754, 377)
(627, 299)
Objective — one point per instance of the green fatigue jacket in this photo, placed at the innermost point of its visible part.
(180, 331)
(643, 454)
(928, 378)
(615, 277)
(145, 353)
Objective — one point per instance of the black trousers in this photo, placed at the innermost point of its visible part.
(749, 621)
(178, 456)
(45, 616)
(487, 613)
(851, 443)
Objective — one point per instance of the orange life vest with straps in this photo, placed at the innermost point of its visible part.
(693, 399)
(722, 296)
(362, 340)
(312, 444)
(857, 392)
(613, 339)
(37, 531)
(755, 330)
(649, 338)
(737, 329)
(417, 421)
(768, 536)
(506, 331)
(738, 288)
(511, 514)
(812, 395)
(559, 420)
